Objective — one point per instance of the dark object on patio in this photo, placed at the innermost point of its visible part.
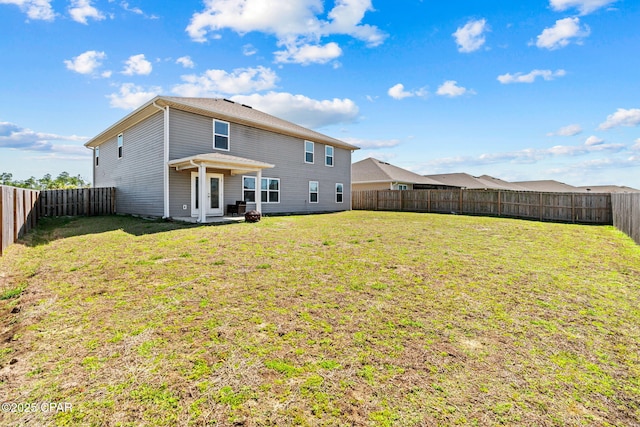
(238, 209)
(252, 216)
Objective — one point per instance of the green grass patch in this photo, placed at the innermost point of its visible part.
(389, 319)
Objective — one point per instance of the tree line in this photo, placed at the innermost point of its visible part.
(62, 181)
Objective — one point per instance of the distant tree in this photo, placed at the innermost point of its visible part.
(62, 181)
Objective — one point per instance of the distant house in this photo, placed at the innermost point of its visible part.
(158, 156)
(550, 186)
(374, 174)
(464, 180)
(610, 189)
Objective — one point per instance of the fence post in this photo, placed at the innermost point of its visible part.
(573, 208)
(460, 203)
(429, 201)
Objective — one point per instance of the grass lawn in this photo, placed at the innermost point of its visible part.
(356, 318)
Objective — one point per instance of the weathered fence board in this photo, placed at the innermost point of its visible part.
(584, 208)
(20, 208)
(626, 214)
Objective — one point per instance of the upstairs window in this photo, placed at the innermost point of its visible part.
(308, 151)
(328, 155)
(120, 145)
(221, 135)
(97, 151)
(313, 191)
(339, 193)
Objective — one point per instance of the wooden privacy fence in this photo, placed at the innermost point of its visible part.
(626, 214)
(20, 208)
(586, 208)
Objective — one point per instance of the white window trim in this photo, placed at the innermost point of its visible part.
(317, 192)
(267, 190)
(403, 187)
(219, 134)
(120, 145)
(313, 152)
(260, 190)
(326, 155)
(341, 192)
(255, 188)
(97, 158)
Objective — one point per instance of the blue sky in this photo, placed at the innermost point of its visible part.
(520, 90)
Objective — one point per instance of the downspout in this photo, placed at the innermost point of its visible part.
(165, 175)
(93, 183)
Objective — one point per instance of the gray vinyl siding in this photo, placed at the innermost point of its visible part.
(138, 175)
(191, 134)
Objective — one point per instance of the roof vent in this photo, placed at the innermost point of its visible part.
(228, 100)
(248, 106)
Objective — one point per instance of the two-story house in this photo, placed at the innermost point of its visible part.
(157, 156)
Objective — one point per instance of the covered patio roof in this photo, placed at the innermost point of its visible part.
(236, 165)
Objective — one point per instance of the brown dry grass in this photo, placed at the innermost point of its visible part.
(358, 318)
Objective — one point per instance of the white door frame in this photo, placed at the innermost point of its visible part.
(208, 210)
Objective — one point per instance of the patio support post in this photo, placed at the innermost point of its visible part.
(259, 190)
(202, 179)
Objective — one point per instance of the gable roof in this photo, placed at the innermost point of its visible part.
(550, 186)
(372, 170)
(222, 109)
(463, 180)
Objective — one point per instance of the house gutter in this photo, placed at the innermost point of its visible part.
(165, 177)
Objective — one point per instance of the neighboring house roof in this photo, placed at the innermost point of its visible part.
(222, 109)
(501, 184)
(463, 180)
(372, 170)
(610, 189)
(550, 186)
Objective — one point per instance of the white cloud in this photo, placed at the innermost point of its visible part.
(622, 117)
(309, 54)
(295, 25)
(186, 62)
(584, 6)
(86, 63)
(398, 92)
(125, 5)
(525, 156)
(372, 144)
(302, 110)
(130, 96)
(471, 37)
(561, 33)
(35, 9)
(593, 140)
(249, 50)
(17, 137)
(570, 130)
(451, 89)
(80, 10)
(215, 82)
(530, 77)
(137, 65)
(636, 146)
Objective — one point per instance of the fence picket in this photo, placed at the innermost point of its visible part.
(563, 207)
(20, 209)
